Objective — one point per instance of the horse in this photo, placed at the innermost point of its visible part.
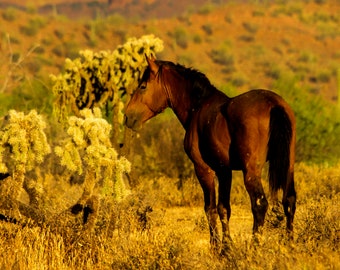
(223, 134)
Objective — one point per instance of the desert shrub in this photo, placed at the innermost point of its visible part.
(324, 76)
(181, 37)
(10, 14)
(207, 28)
(186, 60)
(238, 80)
(33, 26)
(317, 182)
(320, 224)
(320, 2)
(258, 13)
(318, 123)
(164, 191)
(16, 57)
(71, 49)
(59, 33)
(58, 50)
(23, 146)
(28, 95)
(307, 57)
(163, 135)
(116, 19)
(228, 18)
(249, 27)
(144, 231)
(197, 39)
(273, 72)
(88, 150)
(33, 66)
(222, 56)
(290, 10)
(246, 38)
(97, 78)
(39, 50)
(206, 9)
(327, 30)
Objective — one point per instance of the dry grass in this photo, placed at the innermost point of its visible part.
(161, 230)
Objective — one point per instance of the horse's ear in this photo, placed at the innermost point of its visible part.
(152, 64)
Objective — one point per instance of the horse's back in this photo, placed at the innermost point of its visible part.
(255, 104)
(248, 116)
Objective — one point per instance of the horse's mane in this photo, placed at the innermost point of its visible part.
(200, 86)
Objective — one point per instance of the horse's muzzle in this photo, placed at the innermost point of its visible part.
(132, 122)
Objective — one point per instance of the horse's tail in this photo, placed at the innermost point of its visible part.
(279, 149)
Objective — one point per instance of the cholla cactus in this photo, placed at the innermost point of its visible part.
(102, 78)
(88, 146)
(99, 77)
(23, 145)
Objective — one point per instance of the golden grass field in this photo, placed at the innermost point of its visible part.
(174, 235)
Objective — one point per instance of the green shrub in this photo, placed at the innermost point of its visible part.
(116, 19)
(251, 28)
(273, 72)
(186, 60)
(239, 80)
(318, 122)
(197, 39)
(28, 95)
(10, 14)
(206, 9)
(307, 57)
(164, 131)
(33, 26)
(258, 13)
(59, 33)
(207, 28)
(58, 50)
(324, 76)
(327, 30)
(222, 56)
(246, 38)
(181, 37)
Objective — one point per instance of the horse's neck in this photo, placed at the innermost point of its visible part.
(181, 108)
(183, 104)
(178, 96)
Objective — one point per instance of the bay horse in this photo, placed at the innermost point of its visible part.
(223, 134)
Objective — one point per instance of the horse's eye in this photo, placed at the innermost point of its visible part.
(143, 86)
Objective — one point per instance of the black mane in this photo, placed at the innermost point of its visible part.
(200, 86)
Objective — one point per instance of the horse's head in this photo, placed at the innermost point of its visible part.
(148, 100)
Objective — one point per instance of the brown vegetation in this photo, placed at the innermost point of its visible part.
(160, 226)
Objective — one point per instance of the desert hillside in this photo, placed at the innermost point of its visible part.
(243, 44)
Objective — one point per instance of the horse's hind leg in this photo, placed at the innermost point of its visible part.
(206, 177)
(224, 178)
(224, 210)
(259, 203)
(289, 202)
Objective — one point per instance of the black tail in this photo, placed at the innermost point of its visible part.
(280, 138)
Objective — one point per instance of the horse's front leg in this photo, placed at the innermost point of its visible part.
(206, 177)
